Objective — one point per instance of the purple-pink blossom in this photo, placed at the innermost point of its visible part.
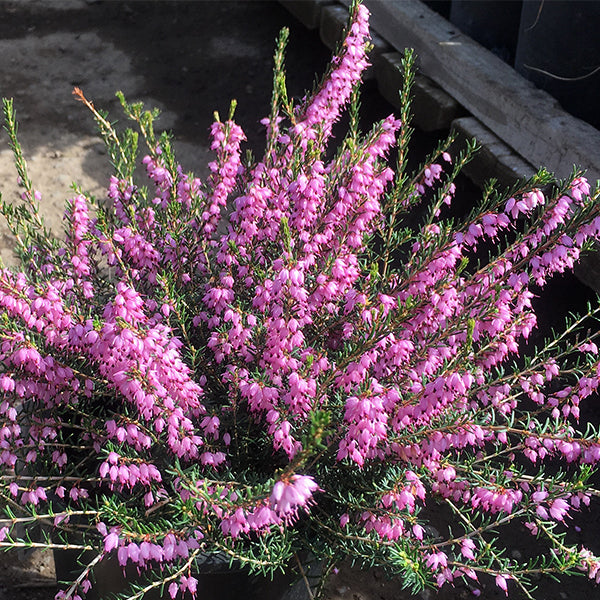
(277, 347)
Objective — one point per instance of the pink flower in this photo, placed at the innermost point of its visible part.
(111, 541)
(122, 555)
(466, 547)
(288, 496)
(418, 531)
(559, 508)
(501, 582)
(436, 560)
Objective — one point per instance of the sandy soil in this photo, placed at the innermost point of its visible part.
(189, 59)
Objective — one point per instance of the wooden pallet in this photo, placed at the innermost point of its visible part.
(464, 86)
(522, 118)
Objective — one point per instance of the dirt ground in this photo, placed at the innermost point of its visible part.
(189, 59)
(186, 58)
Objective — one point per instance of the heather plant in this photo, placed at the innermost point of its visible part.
(304, 355)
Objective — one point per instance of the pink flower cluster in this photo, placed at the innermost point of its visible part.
(209, 365)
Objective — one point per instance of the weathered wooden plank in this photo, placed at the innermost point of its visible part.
(432, 108)
(494, 159)
(308, 12)
(333, 21)
(526, 118)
